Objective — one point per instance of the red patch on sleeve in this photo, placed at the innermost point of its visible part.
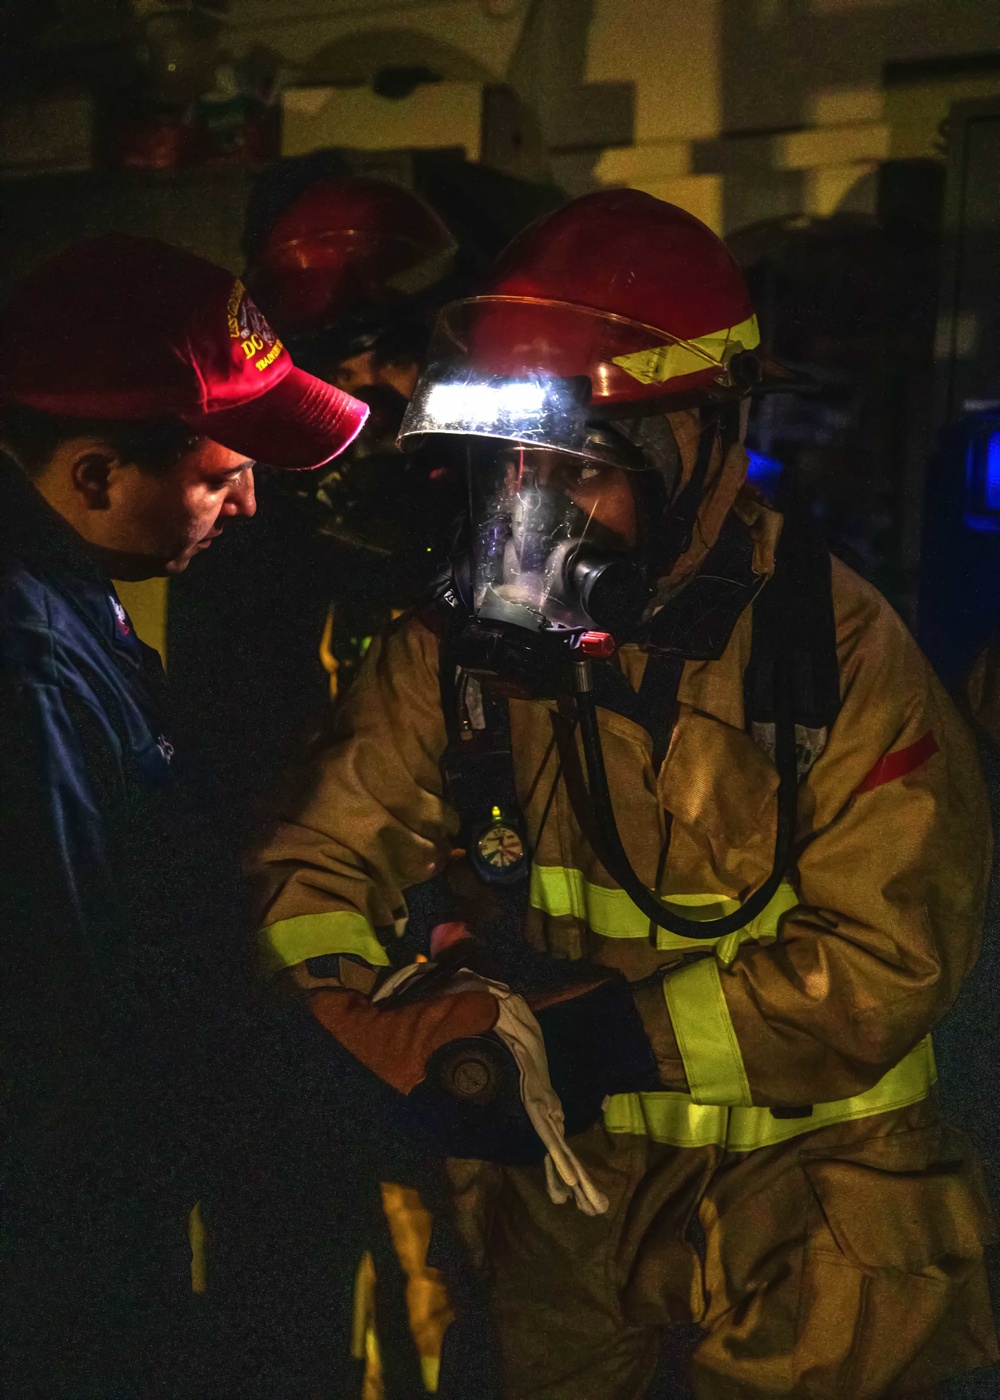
(898, 764)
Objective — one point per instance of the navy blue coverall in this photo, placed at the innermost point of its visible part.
(121, 988)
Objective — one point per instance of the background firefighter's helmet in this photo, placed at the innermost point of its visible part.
(355, 266)
(347, 250)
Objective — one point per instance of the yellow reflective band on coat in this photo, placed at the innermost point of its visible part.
(292, 941)
(706, 1038)
(681, 357)
(561, 891)
(675, 1119)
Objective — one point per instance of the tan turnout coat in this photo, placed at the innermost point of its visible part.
(832, 1253)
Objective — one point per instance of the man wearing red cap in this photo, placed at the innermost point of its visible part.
(139, 385)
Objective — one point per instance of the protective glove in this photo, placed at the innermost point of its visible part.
(395, 1042)
(459, 1086)
(486, 1095)
(596, 1046)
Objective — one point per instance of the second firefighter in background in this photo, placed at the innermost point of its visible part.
(353, 272)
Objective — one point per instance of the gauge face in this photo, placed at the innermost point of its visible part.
(470, 1078)
(500, 846)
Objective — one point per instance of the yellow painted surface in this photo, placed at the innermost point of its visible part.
(839, 106)
(320, 39)
(846, 7)
(146, 605)
(915, 111)
(700, 195)
(436, 114)
(834, 187)
(669, 50)
(838, 145)
(694, 71)
(638, 165)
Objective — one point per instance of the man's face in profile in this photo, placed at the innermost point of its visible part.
(164, 519)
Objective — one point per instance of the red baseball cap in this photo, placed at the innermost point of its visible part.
(125, 328)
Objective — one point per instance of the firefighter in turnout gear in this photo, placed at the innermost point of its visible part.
(726, 847)
(353, 272)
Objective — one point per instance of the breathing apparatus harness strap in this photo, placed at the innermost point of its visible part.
(478, 772)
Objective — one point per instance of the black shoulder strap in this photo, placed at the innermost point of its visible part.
(653, 705)
(477, 767)
(793, 614)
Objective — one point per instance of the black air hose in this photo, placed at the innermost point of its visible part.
(662, 913)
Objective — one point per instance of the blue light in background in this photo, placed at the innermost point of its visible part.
(765, 472)
(982, 436)
(991, 471)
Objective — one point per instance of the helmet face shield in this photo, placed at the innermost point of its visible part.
(533, 408)
(534, 370)
(553, 539)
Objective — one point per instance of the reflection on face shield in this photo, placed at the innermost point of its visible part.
(554, 540)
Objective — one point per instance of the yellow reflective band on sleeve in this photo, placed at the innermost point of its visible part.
(560, 890)
(675, 1119)
(292, 941)
(680, 357)
(705, 1035)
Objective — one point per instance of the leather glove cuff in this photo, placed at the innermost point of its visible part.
(596, 1046)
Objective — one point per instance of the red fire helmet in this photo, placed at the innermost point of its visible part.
(349, 244)
(637, 295)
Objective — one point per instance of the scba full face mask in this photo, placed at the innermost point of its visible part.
(555, 538)
(558, 503)
(531, 374)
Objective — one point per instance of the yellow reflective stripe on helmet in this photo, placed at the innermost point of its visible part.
(679, 357)
(705, 1034)
(675, 1119)
(560, 890)
(292, 941)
